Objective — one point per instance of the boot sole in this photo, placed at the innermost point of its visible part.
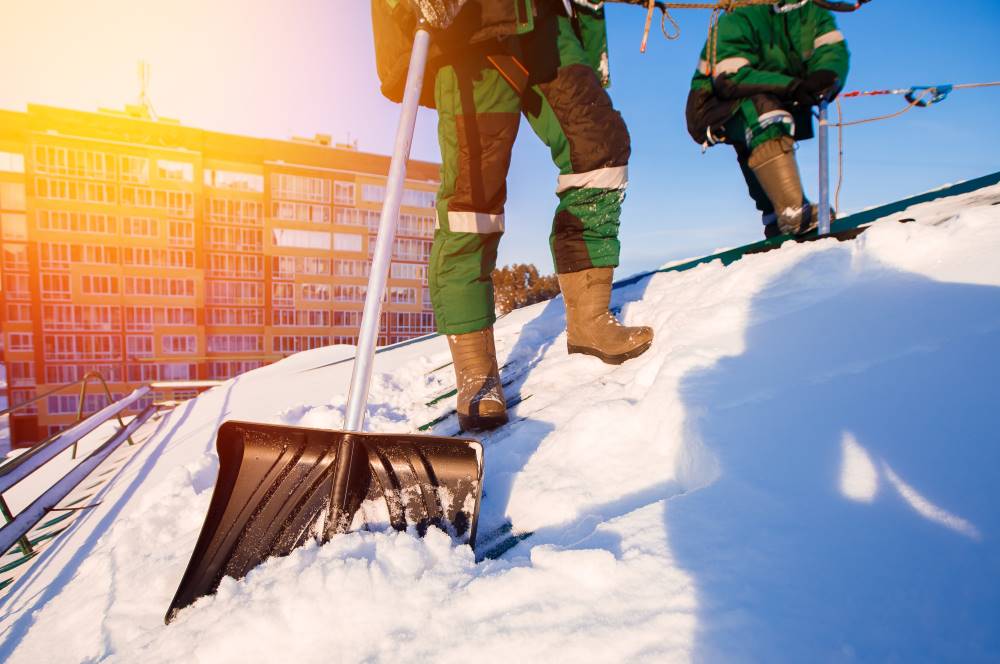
(474, 423)
(610, 359)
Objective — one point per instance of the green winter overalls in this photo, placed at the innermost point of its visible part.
(553, 69)
(745, 100)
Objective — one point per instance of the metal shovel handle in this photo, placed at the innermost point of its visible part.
(361, 376)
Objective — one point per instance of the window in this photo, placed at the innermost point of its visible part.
(407, 249)
(12, 196)
(234, 211)
(74, 162)
(294, 344)
(21, 373)
(141, 226)
(402, 295)
(235, 343)
(159, 286)
(353, 268)
(12, 162)
(178, 371)
(416, 225)
(234, 180)
(99, 284)
(15, 257)
(100, 318)
(138, 318)
(143, 373)
(55, 287)
(75, 190)
(18, 313)
(82, 347)
(139, 346)
(343, 193)
(282, 294)
(347, 318)
(63, 404)
(134, 169)
(95, 254)
(179, 344)
(232, 317)
(300, 188)
(181, 171)
(178, 316)
(315, 292)
(349, 293)
(287, 211)
(235, 292)
(181, 233)
(374, 193)
(287, 237)
(13, 227)
(77, 222)
(235, 265)
(354, 217)
(20, 342)
(23, 396)
(235, 239)
(180, 203)
(18, 286)
(55, 256)
(408, 324)
(409, 271)
(347, 242)
(229, 369)
(301, 318)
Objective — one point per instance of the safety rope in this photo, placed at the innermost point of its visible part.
(920, 96)
(718, 8)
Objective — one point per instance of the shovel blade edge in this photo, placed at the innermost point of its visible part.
(275, 484)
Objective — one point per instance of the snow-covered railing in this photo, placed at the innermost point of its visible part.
(24, 465)
(16, 530)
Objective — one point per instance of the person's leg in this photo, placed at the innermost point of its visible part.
(767, 216)
(478, 116)
(769, 149)
(589, 143)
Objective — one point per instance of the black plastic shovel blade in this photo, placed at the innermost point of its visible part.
(280, 485)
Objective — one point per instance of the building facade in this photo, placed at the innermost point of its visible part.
(149, 251)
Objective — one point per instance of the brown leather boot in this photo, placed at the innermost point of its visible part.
(590, 327)
(481, 405)
(773, 162)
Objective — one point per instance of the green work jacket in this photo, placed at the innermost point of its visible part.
(761, 50)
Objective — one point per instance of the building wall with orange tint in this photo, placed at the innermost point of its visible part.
(150, 251)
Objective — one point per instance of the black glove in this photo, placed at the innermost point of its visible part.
(438, 13)
(815, 88)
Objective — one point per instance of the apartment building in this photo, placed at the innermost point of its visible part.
(144, 250)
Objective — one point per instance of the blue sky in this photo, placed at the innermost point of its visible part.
(270, 68)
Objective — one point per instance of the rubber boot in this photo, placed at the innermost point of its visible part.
(773, 163)
(590, 327)
(481, 405)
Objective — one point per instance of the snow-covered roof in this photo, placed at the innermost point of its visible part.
(802, 468)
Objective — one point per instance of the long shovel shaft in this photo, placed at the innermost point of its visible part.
(361, 377)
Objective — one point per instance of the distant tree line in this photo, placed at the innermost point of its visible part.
(519, 285)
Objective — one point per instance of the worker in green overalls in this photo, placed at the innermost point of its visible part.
(492, 61)
(755, 90)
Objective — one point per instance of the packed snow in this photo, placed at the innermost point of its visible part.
(804, 467)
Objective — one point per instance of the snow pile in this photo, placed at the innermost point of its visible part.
(803, 467)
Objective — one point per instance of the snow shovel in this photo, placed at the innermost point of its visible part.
(278, 486)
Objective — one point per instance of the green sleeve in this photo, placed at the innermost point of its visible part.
(830, 49)
(738, 60)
